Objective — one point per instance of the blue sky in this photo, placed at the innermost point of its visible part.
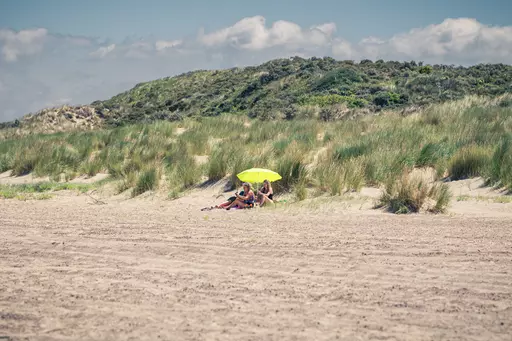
(117, 19)
(56, 52)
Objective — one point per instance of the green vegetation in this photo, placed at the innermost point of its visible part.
(458, 139)
(282, 89)
(285, 88)
(501, 199)
(41, 191)
(469, 162)
(147, 181)
(326, 125)
(410, 195)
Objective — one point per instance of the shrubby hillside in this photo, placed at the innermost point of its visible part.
(284, 88)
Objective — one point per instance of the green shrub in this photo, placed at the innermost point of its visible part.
(307, 112)
(333, 112)
(389, 99)
(427, 69)
(343, 76)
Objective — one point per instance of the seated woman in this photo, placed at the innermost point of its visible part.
(265, 194)
(243, 201)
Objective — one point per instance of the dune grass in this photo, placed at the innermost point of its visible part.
(461, 139)
(413, 194)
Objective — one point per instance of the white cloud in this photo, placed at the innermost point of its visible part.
(458, 41)
(328, 28)
(63, 71)
(252, 34)
(103, 51)
(22, 43)
(161, 45)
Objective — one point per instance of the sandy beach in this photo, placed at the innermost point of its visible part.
(150, 269)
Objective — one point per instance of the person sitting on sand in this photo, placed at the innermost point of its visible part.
(224, 205)
(265, 194)
(243, 201)
(228, 202)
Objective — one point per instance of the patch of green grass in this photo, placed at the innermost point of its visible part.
(147, 181)
(7, 192)
(43, 196)
(503, 199)
(473, 139)
(469, 162)
(41, 191)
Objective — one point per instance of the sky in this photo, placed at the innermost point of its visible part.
(57, 52)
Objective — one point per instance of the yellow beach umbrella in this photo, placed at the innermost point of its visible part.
(258, 175)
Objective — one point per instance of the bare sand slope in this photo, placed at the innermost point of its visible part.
(152, 269)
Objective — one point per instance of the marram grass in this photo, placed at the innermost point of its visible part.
(465, 138)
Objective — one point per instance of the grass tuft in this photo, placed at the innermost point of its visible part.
(412, 194)
(469, 162)
(147, 181)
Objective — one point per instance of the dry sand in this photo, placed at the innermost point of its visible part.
(152, 269)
